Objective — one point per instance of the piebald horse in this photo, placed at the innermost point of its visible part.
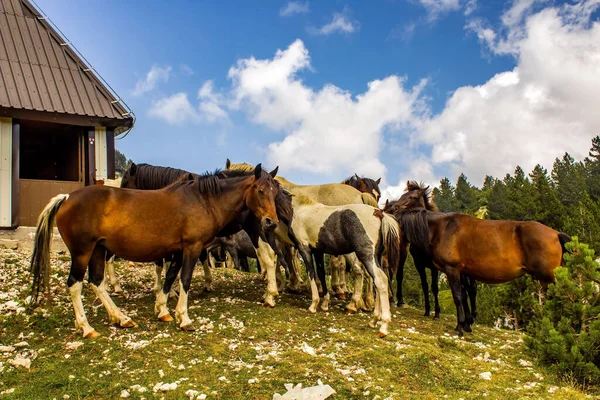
(96, 222)
(331, 194)
(353, 228)
(488, 251)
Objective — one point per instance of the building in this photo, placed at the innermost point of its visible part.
(58, 118)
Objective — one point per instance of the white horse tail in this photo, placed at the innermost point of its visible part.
(367, 198)
(40, 260)
(389, 239)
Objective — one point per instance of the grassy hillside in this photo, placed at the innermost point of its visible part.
(244, 351)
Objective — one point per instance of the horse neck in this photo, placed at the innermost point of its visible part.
(232, 199)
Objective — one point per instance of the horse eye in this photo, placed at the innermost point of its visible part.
(260, 191)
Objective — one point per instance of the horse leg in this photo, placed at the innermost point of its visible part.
(79, 263)
(456, 288)
(96, 279)
(320, 261)
(472, 292)
(160, 306)
(356, 302)
(336, 287)
(208, 280)
(369, 295)
(382, 303)
(268, 261)
(469, 320)
(190, 257)
(291, 259)
(306, 254)
(279, 277)
(400, 276)
(435, 279)
(244, 264)
(158, 269)
(173, 292)
(110, 268)
(345, 276)
(424, 287)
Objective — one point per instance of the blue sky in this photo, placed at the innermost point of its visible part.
(464, 85)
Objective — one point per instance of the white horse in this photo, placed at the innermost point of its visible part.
(354, 228)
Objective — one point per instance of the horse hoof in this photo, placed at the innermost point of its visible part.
(128, 324)
(325, 308)
(166, 318)
(269, 304)
(341, 296)
(436, 316)
(188, 328)
(468, 328)
(311, 310)
(382, 334)
(91, 335)
(373, 324)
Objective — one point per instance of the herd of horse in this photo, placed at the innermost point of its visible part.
(177, 218)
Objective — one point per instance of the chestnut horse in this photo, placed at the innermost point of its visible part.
(96, 222)
(488, 251)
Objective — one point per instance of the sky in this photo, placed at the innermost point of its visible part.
(397, 89)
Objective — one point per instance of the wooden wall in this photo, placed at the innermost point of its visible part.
(35, 194)
(6, 129)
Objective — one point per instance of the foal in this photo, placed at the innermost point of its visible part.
(96, 222)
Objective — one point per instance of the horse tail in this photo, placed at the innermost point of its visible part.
(368, 198)
(389, 242)
(563, 238)
(415, 228)
(40, 260)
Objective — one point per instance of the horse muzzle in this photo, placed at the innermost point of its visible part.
(269, 224)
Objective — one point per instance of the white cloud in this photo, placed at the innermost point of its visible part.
(547, 105)
(211, 104)
(186, 69)
(435, 8)
(294, 7)
(341, 22)
(153, 77)
(175, 109)
(327, 131)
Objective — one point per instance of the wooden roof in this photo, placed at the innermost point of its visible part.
(39, 72)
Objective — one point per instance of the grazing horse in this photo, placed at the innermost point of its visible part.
(239, 246)
(331, 194)
(96, 222)
(487, 251)
(353, 228)
(145, 176)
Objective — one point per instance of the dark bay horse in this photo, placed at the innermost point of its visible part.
(365, 185)
(96, 222)
(240, 248)
(487, 251)
(149, 177)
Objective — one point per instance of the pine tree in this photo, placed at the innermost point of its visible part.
(592, 166)
(565, 333)
(444, 197)
(466, 195)
(548, 208)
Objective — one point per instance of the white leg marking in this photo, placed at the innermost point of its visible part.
(81, 321)
(315, 296)
(110, 269)
(268, 262)
(369, 295)
(181, 310)
(325, 303)
(160, 307)
(115, 315)
(381, 281)
(356, 303)
(208, 280)
(157, 279)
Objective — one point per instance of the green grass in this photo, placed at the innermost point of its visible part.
(240, 340)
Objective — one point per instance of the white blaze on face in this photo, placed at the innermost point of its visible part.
(376, 194)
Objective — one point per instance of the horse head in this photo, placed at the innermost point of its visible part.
(129, 179)
(260, 198)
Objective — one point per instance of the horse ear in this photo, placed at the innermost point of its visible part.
(257, 171)
(274, 172)
(190, 177)
(356, 175)
(378, 181)
(132, 169)
(387, 203)
(227, 164)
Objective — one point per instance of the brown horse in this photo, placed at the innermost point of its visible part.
(488, 251)
(182, 219)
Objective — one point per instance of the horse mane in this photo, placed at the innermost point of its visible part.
(149, 177)
(427, 195)
(368, 182)
(415, 228)
(207, 183)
